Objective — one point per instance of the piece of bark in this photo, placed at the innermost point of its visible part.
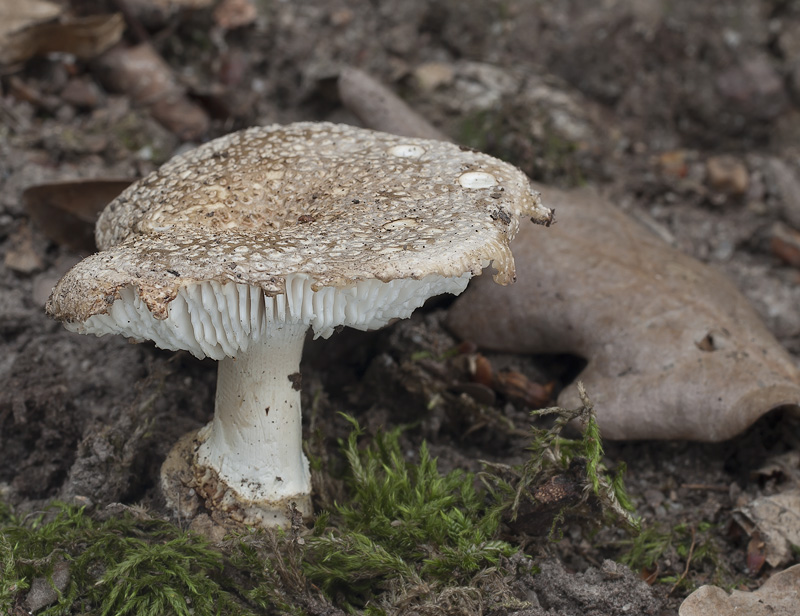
(779, 596)
(674, 350)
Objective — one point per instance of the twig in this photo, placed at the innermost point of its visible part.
(688, 564)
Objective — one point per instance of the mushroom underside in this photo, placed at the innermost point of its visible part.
(218, 320)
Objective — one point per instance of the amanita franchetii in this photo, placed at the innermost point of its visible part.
(235, 249)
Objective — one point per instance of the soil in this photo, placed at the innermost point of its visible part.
(684, 113)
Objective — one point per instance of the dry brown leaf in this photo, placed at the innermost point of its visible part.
(674, 350)
(84, 37)
(779, 596)
(776, 520)
(16, 16)
(27, 29)
(67, 211)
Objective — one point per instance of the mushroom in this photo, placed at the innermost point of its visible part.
(235, 249)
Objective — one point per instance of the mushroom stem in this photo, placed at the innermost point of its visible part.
(251, 456)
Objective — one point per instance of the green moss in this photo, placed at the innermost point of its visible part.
(118, 566)
(644, 550)
(267, 567)
(403, 521)
(692, 549)
(604, 499)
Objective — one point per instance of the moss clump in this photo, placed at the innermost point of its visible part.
(563, 478)
(404, 520)
(122, 565)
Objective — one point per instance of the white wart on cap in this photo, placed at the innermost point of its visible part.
(235, 249)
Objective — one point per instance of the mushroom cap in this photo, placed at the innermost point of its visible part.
(315, 205)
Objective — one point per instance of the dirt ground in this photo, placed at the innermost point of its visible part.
(684, 113)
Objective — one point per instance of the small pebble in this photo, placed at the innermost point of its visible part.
(727, 175)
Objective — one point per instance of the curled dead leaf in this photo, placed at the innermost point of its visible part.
(17, 16)
(674, 350)
(513, 385)
(18, 21)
